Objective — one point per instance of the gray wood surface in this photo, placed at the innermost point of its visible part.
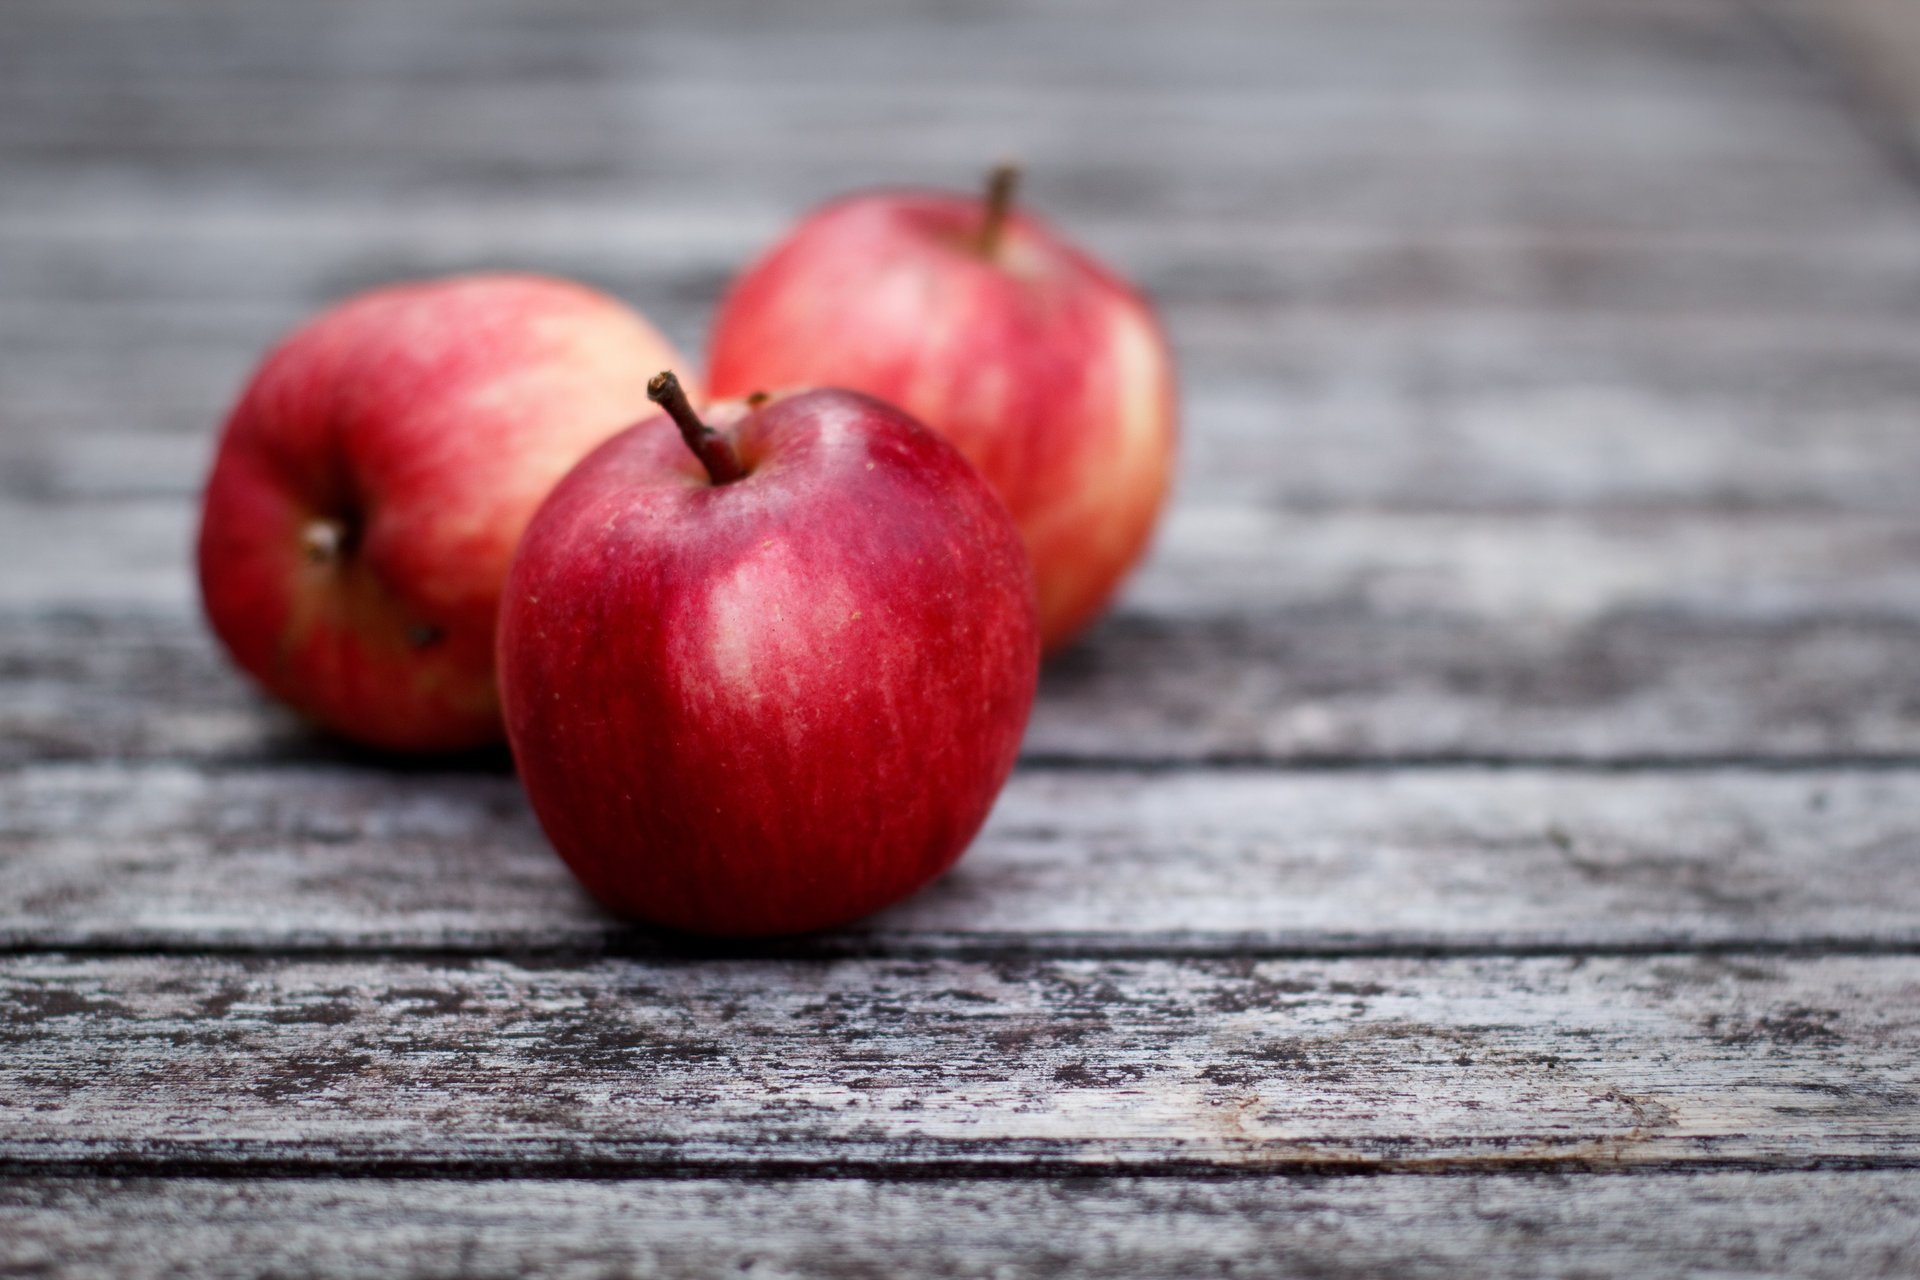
(1502, 782)
(1722, 1224)
(1255, 634)
(418, 1066)
(1074, 862)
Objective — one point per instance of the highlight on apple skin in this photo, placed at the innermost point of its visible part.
(1046, 370)
(767, 672)
(375, 476)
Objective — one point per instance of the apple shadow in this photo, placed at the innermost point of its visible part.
(292, 740)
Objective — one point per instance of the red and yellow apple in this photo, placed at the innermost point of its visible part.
(1046, 370)
(767, 672)
(374, 479)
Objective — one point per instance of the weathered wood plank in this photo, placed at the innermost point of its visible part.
(621, 1066)
(627, 56)
(1847, 1226)
(1653, 114)
(1828, 192)
(1270, 52)
(1641, 685)
(108, 556)
(1251, 633)
(1239, 560)
(1263, 634)
(829, 12)
(1440, 40)
(1311, 685)
(1072, 863)
(1638, 402)
(948, 114)
(76, 687)
(173, 266)
(174, 244)
(1245, 561)
(1233, 560)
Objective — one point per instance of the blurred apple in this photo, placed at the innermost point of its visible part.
(1047, 371)
(374, 479)
(767, 672)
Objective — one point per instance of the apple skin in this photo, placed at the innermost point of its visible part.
(776, 704)
(1047, 371)
(373, 481)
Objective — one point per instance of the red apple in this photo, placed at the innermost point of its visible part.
(767, 673)
(1048, 372)
(374, 479)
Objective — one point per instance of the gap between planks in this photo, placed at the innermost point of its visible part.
(1026, 1171)
(972, 948)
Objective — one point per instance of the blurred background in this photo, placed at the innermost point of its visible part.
(1557, 319)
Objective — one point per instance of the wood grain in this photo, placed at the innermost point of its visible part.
(1251, 634)
(1073, 863)
(612, 91)
(1747, 386)
(1231, 559)
(1496, 1228)
(1030, 1064)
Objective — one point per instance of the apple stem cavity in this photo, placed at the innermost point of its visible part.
(999, 202)
(324, 541)
(715, 454)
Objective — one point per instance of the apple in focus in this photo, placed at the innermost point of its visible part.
(373, 481)
(1046, 370)
(767, 672)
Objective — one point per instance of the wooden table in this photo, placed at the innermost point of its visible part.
(1485, 842)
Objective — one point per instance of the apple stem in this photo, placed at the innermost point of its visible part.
(1000, 187)
(715, 454)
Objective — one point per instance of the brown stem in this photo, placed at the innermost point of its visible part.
(715, 454)
(1000, 187)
